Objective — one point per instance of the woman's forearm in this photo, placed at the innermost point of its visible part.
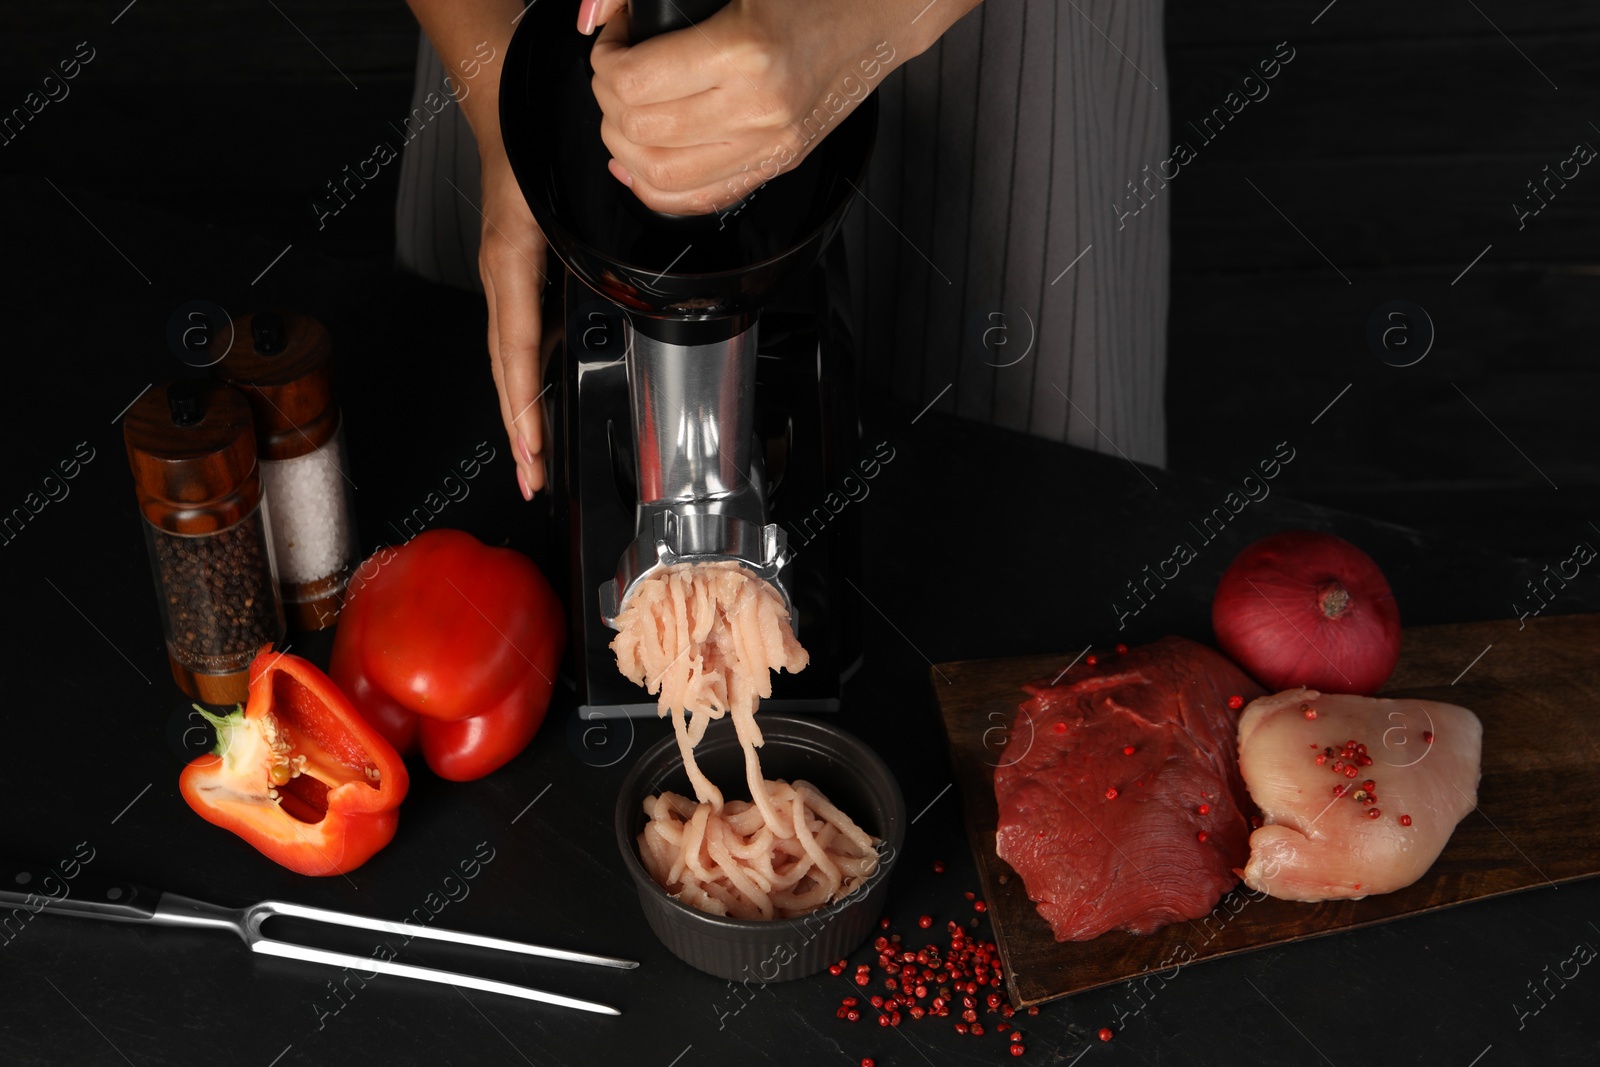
(914, 26)
(459, 29)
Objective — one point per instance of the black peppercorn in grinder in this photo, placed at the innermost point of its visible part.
(671, 442)
(192, 448)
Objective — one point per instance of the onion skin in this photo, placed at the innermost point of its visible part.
(1303, 607)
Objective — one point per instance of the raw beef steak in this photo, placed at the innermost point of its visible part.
(1108, 839)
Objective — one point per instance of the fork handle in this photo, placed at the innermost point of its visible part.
(69, 888)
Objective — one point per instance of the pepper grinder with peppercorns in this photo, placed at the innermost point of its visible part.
(283, 362)
(191, 446)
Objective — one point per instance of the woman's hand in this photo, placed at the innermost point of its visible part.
(697, 119)
(511, 261)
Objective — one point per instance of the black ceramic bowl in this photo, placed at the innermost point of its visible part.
(849, 774)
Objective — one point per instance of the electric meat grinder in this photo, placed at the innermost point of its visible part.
(677, 435)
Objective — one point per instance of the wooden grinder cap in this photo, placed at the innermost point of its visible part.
(191, 446)
(283, 361)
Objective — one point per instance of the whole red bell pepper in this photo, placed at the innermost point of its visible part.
(298, 773)
(451, 645)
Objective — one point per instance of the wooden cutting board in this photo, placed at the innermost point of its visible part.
(1537, 691)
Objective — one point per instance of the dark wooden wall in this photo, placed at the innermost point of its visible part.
(1396, 141)
(232, 112)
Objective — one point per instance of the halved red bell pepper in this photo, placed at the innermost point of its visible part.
(298, 773)
(452, 645)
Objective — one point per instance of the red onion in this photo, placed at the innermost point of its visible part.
(1307, 608)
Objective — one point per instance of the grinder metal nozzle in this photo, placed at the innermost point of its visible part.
(696, 536)
(702, 487)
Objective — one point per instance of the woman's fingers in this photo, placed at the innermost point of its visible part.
(494, 348)
(496, 367)
(517, 280)
(698, 169)
(700, 179)
(698, 119)
(593, 13)
(668, 67)
(511, 261)
(588, 15)
(608, 10)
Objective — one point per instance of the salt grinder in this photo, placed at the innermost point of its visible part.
(191, 446)
(283, 362)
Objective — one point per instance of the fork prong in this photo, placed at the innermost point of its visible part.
(362, 922)
(290, 951)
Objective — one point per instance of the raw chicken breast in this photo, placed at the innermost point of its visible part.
(1359, 795)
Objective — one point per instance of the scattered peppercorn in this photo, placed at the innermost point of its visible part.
(1405, 820)
(1105, 1033)
(967, 966)
(1235, 703)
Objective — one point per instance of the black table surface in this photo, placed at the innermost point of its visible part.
(979, 542)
